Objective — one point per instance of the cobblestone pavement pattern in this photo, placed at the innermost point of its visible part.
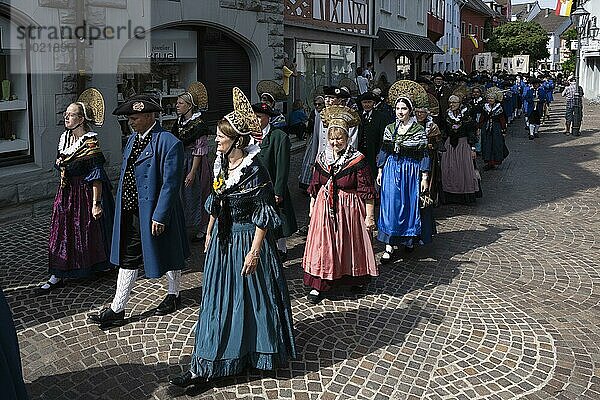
(503, 305)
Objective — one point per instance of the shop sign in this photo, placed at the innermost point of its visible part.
(161, 51)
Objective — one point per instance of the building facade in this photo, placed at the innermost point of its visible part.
(451, 40)
(327, 40)
(402, 47)
(156, 46)
(555, 26)
(589, 62)
(525, 11)
(477, 21)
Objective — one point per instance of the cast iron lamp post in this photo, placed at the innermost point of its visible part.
(579, 18)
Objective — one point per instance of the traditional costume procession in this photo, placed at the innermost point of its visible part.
(374, 168)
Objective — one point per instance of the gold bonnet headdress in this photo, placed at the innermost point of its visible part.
(92, 102)
(242, 118)
(409, 89)
(197, 93)
(340, 116)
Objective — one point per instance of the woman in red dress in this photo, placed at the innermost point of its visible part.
(338, 247)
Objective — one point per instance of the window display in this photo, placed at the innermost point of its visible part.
(15, 141)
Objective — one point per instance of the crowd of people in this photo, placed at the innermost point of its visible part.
(380, 163)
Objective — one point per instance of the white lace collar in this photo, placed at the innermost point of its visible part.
(487, 107)
(236, 175)
(460, 115)
(72, 148)
(329, 159)
(194, 116)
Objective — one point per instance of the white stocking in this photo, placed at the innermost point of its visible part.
(125, 282)
(174, 281)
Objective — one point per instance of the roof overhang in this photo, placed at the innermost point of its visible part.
(394, 40)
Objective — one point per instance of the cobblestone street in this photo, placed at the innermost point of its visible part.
(504, 304)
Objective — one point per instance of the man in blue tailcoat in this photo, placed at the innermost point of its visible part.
(149, 226)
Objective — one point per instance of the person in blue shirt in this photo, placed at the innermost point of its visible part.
(298, 119)
(548, 86)
(534, 98)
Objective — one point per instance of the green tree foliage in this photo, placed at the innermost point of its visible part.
(568, 66)
(519, 37)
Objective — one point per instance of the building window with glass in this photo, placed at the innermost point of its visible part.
(322, 64)
(15, 113)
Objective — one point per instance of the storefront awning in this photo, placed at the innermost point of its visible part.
(394, 40)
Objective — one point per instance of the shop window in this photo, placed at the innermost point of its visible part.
(15, 114)
(462, 29)
(179, 57)
(322, 64)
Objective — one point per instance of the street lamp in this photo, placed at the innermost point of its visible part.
(579, 18)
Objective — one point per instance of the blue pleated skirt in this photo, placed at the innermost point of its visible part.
(399, 215)
(244, 321)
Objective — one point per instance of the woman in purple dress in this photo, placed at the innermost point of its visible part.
(83, 210)
(193, 132)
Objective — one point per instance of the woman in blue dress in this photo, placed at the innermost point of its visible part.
(245, 318)
(399, 175)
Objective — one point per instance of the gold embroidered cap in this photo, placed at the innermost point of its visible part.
(198, 94)
(242, 118)
(92, 102)
(271, 87)
(495, 93)
(340, 116)
(410, 89)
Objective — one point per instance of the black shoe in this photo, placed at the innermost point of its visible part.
(168, 305)
(314, 298)
(387, 257)
(303, 231)
(107, 318)
(52, 286)
(531, 137)
(409, 249)
(186, 380)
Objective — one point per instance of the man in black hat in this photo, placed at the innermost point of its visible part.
(275, 155)
(149, 226)
(318, 140)
(370, 130)
(442, 93)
